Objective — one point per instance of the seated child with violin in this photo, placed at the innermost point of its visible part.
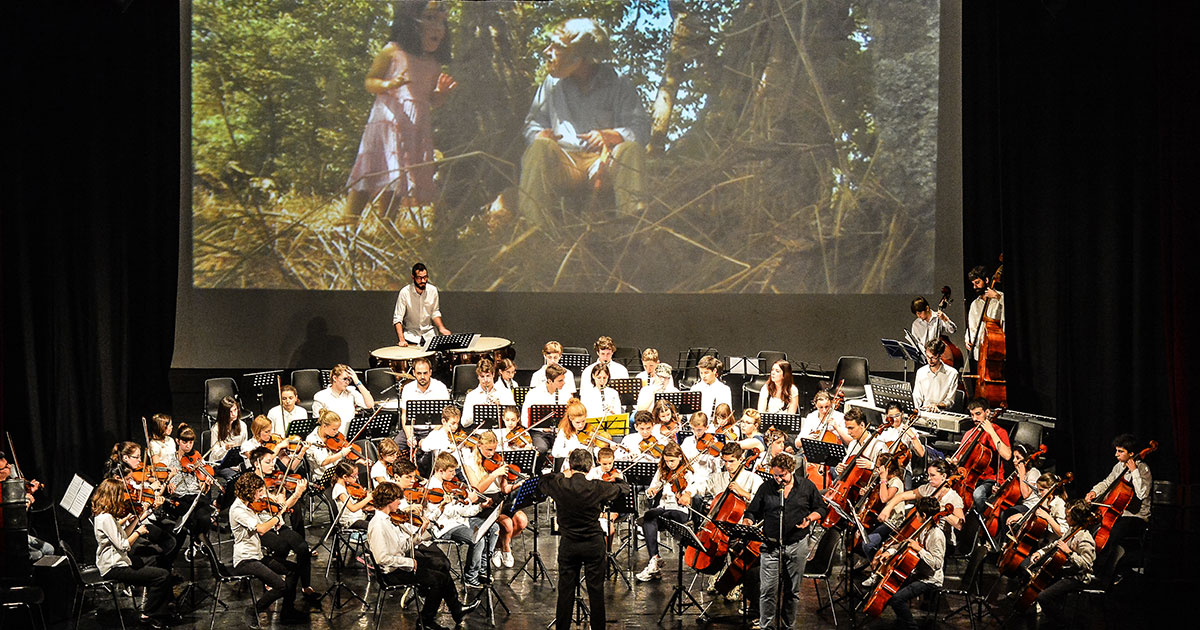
(458, 516)
(146, 494)
(282, 540)
(449, 437)
(251, 516)
(702, 446)
(398, 540)
(603, 470)
(261, 435)
(327, 446)
(350, 497)
(676, 483)
(642, 443)
(666, 421)
(384, 468)
(193, 477)
(496, 484)
(512, 436)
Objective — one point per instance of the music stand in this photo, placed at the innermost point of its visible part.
(686, 403)
(518, 393)
(575, 362)
(302, 427)
(628, 389)
(905, 351)
(625, 505)
(825, 454)
(638, 473)
(529, 493)
(899, 393)
(382, 425)
(489, 588)
(553, 413)
(260, 380)
(787, 422)
(446, 343)
(615, 425)
(425, 411)
(486, 416)
(687, 538)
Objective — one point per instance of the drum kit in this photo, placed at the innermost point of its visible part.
(399, 359)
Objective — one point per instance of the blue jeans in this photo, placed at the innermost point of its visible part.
(794, 557)
(475, 557)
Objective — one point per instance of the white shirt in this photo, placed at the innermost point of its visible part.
(346, 517)
(564, 445)
(435, 391)
(713, 395)
(416, 311)
(280, 418)
(935, 388)
(244, 524)
(719, 481)
(600, 402)
(343, 405)
(1142, 482)
(498, 396)
(541, 396)
(163, 449)
(615, 370)
(392, 545)
(317, 453)
(926, 331)
(645, 399)
(234, 441)
(811, 425)
(775, 405)
(112, 546)
(633, 452)
(539, 379)
(379, 471)
(450, 513)
(995, 310)
(669, 500)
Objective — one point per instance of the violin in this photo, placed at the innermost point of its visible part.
(339, 442)
(456, 490)
(157, 470)
(710, 444)
(356, 491)
(650, 445)
(289, 482)
(406, 518)
(496, 461)
(293, 442)
(518, 439)
(194, 463)
(266, 505)
(424, 495)
(462, 438)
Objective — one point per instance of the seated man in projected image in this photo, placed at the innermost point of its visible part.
(586, 128)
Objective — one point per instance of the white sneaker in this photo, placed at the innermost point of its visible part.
(508, 559)
(650, 572)
(735, 594)
(869, 582)
(497, 558)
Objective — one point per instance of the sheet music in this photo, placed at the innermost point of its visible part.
(76, 497)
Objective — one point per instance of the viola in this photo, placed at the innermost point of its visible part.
(496, 461)
(424, 495)
(275, 479)
(406, 518)
(1115, 500)
(1007, 495)
(1029, 534)
(896, 570)
(339, 442)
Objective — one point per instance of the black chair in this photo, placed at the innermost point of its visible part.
(379, 379)
(87, 578)
(1106, 578)
(462, 380)
(307, 384)
(967, 587)
(215, 390)
(1029, 434)
(407, 590)
(856, 373)
(960, 402)
(576, 350)
(27, 597)
(223, 575)
(820, 569)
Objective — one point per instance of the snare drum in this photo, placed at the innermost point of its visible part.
(494, 348)
(399, 359)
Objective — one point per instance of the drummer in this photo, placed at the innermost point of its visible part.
(488, 393)
(344, 394)
(417, 313)
(425, 387)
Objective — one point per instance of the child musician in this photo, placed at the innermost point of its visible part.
(384, 468)
(1080, 548)
(642, 441)
(350, 510)
(927, 577)
(673, 505)
(282, 539)
(495, 486)
(457, 519)
(248, 527)
(117, 531)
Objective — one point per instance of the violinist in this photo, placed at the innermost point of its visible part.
(724, 423)
(704, 461)
(606, 460)
(495, 488)
(661, 383)
(447, 438)
(677, 484)
(161, 445)
(785, 507)
(551, 354)
(1080, 549)
(190, 484)
(384, 468)
(320, 456)
(458, 519)
(487, 393)
(780, 394)
(125, 464)
(425, 387)
(712, 391)
(604, 348)
(936, 382)
(511, 436)
(666, 421)
(117, 533)
(286, 411)
(346, 490)
(550, 392)
(642, 440)
(402, 552)
(345, 394)
(569, 432)
(823, 421)
(892, 514)
(261, 435)
(752, 438)
(249, 527)
(281, 539)
(994, 437)
(228, 433)
(995, 308)
(930, 546)
(1130, 468)
(600, 399)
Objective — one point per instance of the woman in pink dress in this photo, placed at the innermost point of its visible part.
(407, 82)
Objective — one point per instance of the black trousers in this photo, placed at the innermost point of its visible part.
(280, 575)
(432, 578)
(155, 579)
(572, 555)
(285, 539)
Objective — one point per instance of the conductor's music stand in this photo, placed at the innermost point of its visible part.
(627, 388)
(687, 538)
(261, 380)
(486, 416)
(446, 343)
(686, 403)
(529, 493)
(825, 454)
(905, 351)
(382, 425)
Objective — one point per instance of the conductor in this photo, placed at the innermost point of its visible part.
(579, 501)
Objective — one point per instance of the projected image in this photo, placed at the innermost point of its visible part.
(583, 146)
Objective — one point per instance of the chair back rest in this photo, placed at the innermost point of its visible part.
(307, 384)
(216, 389)
(463, 380)
(379, 379)
(214, 564)
(630, 357)
(856, 373)
(821, 564)
(576, 350)
(1028, 433)
(76, 574)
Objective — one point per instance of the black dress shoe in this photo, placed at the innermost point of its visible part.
(251, 616)
(291, 615)
(433, 625)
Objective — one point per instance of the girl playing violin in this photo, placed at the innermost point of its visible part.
(117, 533)
(351, 498)
(228, 433)
(676, 483)
(385, 467)
(189, 484)
(400, 556)
(261, 435)
(249, 527)
(321, 457)
(642, 441)
(458, 519)
(511, 436)
(495, 486)
(125, 465)
(569, 431)
(281, 540)
(666, 421)
(161, 444)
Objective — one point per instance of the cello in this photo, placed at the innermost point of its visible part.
(849, 484)
(895, 571)
(727, 507)
(989, 338)
(1115, 500)
(973, 459)
(1007, 495)
(829, 436)
(1029, 534)
(1049, 570)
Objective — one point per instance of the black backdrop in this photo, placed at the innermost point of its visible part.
(1078, 137)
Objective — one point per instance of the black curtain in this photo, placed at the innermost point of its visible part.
(90, 234)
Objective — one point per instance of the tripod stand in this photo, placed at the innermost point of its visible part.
(527, 494)
(341, 538)
(686, 537)
(580, 613)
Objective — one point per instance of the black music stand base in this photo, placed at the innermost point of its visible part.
(580, 614)
(681, 599)
(193, 587)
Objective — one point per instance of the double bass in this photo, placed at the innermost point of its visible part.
(990, 340)
(1115, 500)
